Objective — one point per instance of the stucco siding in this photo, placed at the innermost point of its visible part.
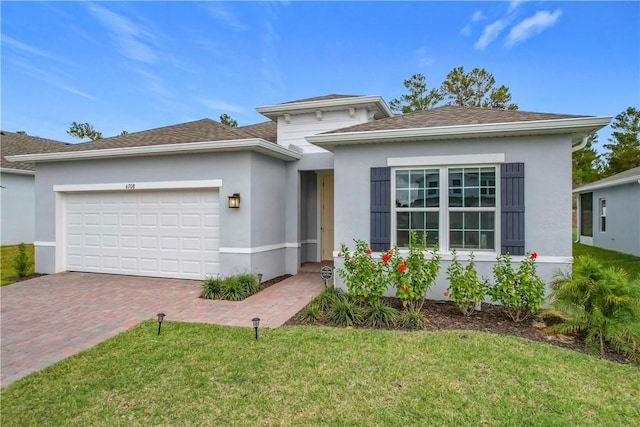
(17, 199)
(547, 187)
(622, 232)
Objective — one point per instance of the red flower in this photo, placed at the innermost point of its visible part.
(339, 254)
(385, 258)
(446, 293)
(369, 250)
(534, 255)
(352, 260)
(402, 266)
(405, 288)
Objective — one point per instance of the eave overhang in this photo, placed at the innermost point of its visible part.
(607, 184)
(255, 145)
(17, 171)
(576, 127)
(372, 103)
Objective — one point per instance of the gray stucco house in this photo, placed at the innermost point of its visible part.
(17, 192)
(319, 172)
(609, 212)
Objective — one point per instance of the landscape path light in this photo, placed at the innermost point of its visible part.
(256, 323)
(160, 319)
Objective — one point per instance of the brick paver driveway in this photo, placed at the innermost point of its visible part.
(46, 319)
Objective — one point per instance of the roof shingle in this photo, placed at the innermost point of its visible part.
(13, 144)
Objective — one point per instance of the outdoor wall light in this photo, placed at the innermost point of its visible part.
(160, 319)
(256, 323)
(234, 201)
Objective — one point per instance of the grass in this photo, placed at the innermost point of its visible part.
(8, 253)
(195, 374)
(608, 258)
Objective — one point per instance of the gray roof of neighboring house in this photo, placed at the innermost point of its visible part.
(197, 131)
(617, 179)
(451, 115)
(13, 144)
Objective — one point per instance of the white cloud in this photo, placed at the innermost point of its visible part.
(514, 5)
(477, 16)
(225, 16)
(490, 33)
(25, 48)
(532, 26)
(133, 39)
(220, 105)
(422, 57)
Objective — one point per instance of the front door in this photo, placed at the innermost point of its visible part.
(326, 216)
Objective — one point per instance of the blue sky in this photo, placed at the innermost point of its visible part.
(140, 65)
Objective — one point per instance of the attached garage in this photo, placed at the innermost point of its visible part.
(151, 232)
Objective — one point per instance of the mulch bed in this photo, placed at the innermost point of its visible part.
(268, 283)
(444, 315)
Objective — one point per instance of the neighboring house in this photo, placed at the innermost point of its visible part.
(17, 198)
(321, 172)
(609, 212)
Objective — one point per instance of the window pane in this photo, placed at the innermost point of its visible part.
(432, 238)
(455, 239)
(455, 178)
(417, 220)
(402, 179)
(471, 177)
(471, 197)
(471, 220)
(417, 178)
(417, 198)
(402, 238)
(433, 220)
(402, 198)
(432, 183)
(471, 239)
(455, 220)
(488, 177)
(487, 240)
(487, 197)
(455, 198)
(487, 220)
(402, 220)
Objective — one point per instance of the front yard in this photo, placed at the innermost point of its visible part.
(195, 374)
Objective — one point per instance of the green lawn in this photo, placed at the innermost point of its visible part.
(8, 253)
(627, 262)
(196, 374)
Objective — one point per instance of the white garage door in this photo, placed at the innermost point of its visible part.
(144, 233)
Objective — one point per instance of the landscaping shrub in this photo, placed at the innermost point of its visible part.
(380, 315)
(328, 298)
(311, 312)
(364, 277)
(521, 292)
(464, 287)
(602, 304)
(21, 261)
(249, 283)
(412, 319)
(414, 275)
(212, 288)
(233, 289)
(344, 313)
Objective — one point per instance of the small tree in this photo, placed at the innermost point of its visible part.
(84, 130)
(475, 89)
(21, 261)
(226, 119)
(624, 147)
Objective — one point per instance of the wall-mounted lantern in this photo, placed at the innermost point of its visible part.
(234, 201)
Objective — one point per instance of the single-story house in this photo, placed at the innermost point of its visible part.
(609, 212)
(201, 198)
(17, 193)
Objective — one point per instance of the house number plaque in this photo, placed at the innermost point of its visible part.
(326, 273)
(129, 186)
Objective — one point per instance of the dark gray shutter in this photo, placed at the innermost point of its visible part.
(380, 208)
(512, 208)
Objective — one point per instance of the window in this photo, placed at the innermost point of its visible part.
(456, 207)
(586, 214)
(603, 215)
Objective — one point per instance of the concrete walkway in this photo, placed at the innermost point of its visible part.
(46, 319)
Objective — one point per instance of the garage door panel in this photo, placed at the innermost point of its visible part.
(153, 233)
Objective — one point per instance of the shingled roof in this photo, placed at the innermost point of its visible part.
(322, 98)
(197, 131)
(13, 144)
(266, 130)
(451, 115)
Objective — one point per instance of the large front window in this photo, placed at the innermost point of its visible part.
(456, 207)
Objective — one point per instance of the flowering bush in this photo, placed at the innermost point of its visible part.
(464, 287)
(365, 278)
(520, 292)
(414, 275)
